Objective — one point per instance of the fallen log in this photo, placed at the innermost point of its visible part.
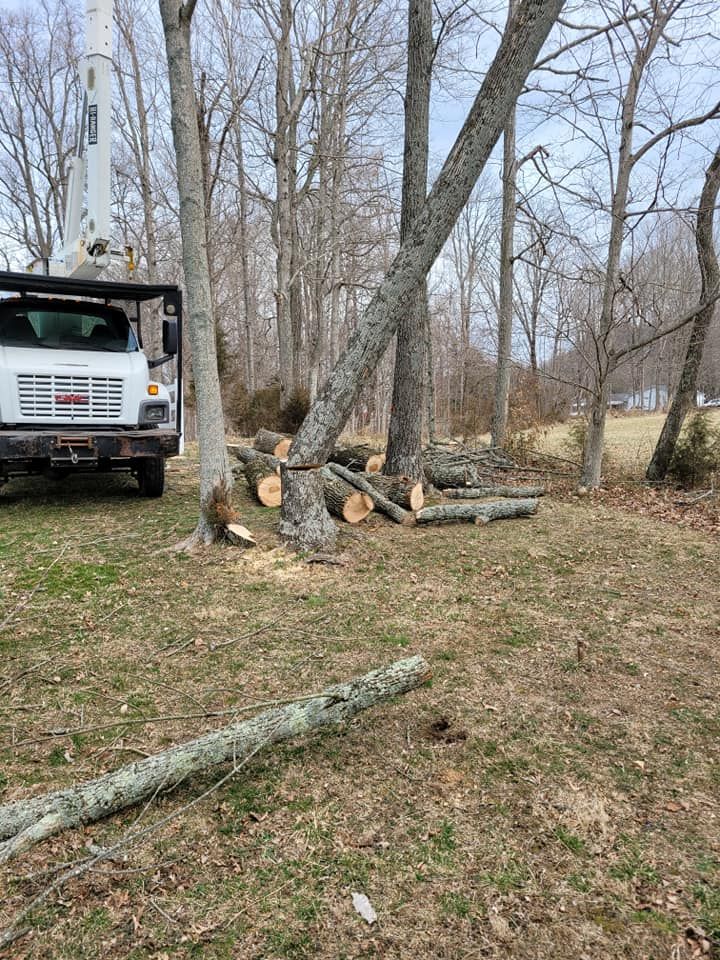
(361, 458)
(24, 823)
(263, 483)
(344, 500)
(267, 441)
(445, 474)
(477, 512)
(475, 493)
(248, 454)
(400, 490)
(381, 502)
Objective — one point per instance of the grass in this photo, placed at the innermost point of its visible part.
(569, 811)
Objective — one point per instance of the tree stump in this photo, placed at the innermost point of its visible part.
(305, 523)
(266, 441)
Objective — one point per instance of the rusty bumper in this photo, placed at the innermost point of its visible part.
(75, 447)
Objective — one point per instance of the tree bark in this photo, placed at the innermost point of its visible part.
(23, 823)
(343, 499)
(404, 448)
(361, 458)
(263, 483)
(248, 454)
(475, 493)
(480, 512)
(215, 475)
(407, 493)
(520, 45)
(382, 503)
(686, 392)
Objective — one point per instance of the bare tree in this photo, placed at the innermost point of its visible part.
(306, 523)
(215, 474)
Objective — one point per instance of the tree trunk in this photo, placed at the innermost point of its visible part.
(478, 512)
(24, 823)
(381, 502)
(503, 82)
(686, 392)
(505, 305)
(215, 474)
(404, 448)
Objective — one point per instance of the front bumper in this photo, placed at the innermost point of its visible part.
(70, 448)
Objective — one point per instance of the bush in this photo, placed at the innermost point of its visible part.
(697, 453)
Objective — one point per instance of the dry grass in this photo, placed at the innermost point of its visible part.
(569, 809)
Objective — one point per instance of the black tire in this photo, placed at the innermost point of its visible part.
(151, 476)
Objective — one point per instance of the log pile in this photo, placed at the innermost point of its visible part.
(353, 487)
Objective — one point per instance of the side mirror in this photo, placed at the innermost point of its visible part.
(170, 337)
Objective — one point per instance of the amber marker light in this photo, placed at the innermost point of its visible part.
(153, 389)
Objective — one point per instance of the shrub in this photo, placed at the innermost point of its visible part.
(697, 453)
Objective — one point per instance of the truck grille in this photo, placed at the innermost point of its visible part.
(70, 398)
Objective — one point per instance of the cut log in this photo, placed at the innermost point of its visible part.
(344, 500)
(475, 493)
(263, 483)
(360, 458)
(401, 490)
(445, 474)
(381, 502)
(239, 536)
(266, 441)
(247, 454)
(477, 512)
(23, 823)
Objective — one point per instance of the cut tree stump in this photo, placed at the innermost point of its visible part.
(344, 500)
(400, 490)
(263, 483)
(24, 823)
(382, 503)
(477, 512)
(475, 493)
(239, 536)
(266, 441)
(360, 458)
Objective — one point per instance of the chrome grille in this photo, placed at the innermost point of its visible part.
(51, 397)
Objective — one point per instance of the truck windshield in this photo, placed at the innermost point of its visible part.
(65, 328)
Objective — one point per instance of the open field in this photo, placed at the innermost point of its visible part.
(525, 804)
(629, 442)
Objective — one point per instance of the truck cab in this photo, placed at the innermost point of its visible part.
(76, 388)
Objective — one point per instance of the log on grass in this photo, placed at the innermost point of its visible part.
(477, 512)
(23, 823)
(267, 441)
(381, 502)
(343, 500)
(475, 493)
(401, 490)
(360, 458)
(263, 483)
(445, 474)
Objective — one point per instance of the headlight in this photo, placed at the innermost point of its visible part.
(156, 412)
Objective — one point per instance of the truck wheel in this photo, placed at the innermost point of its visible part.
(151, 476)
